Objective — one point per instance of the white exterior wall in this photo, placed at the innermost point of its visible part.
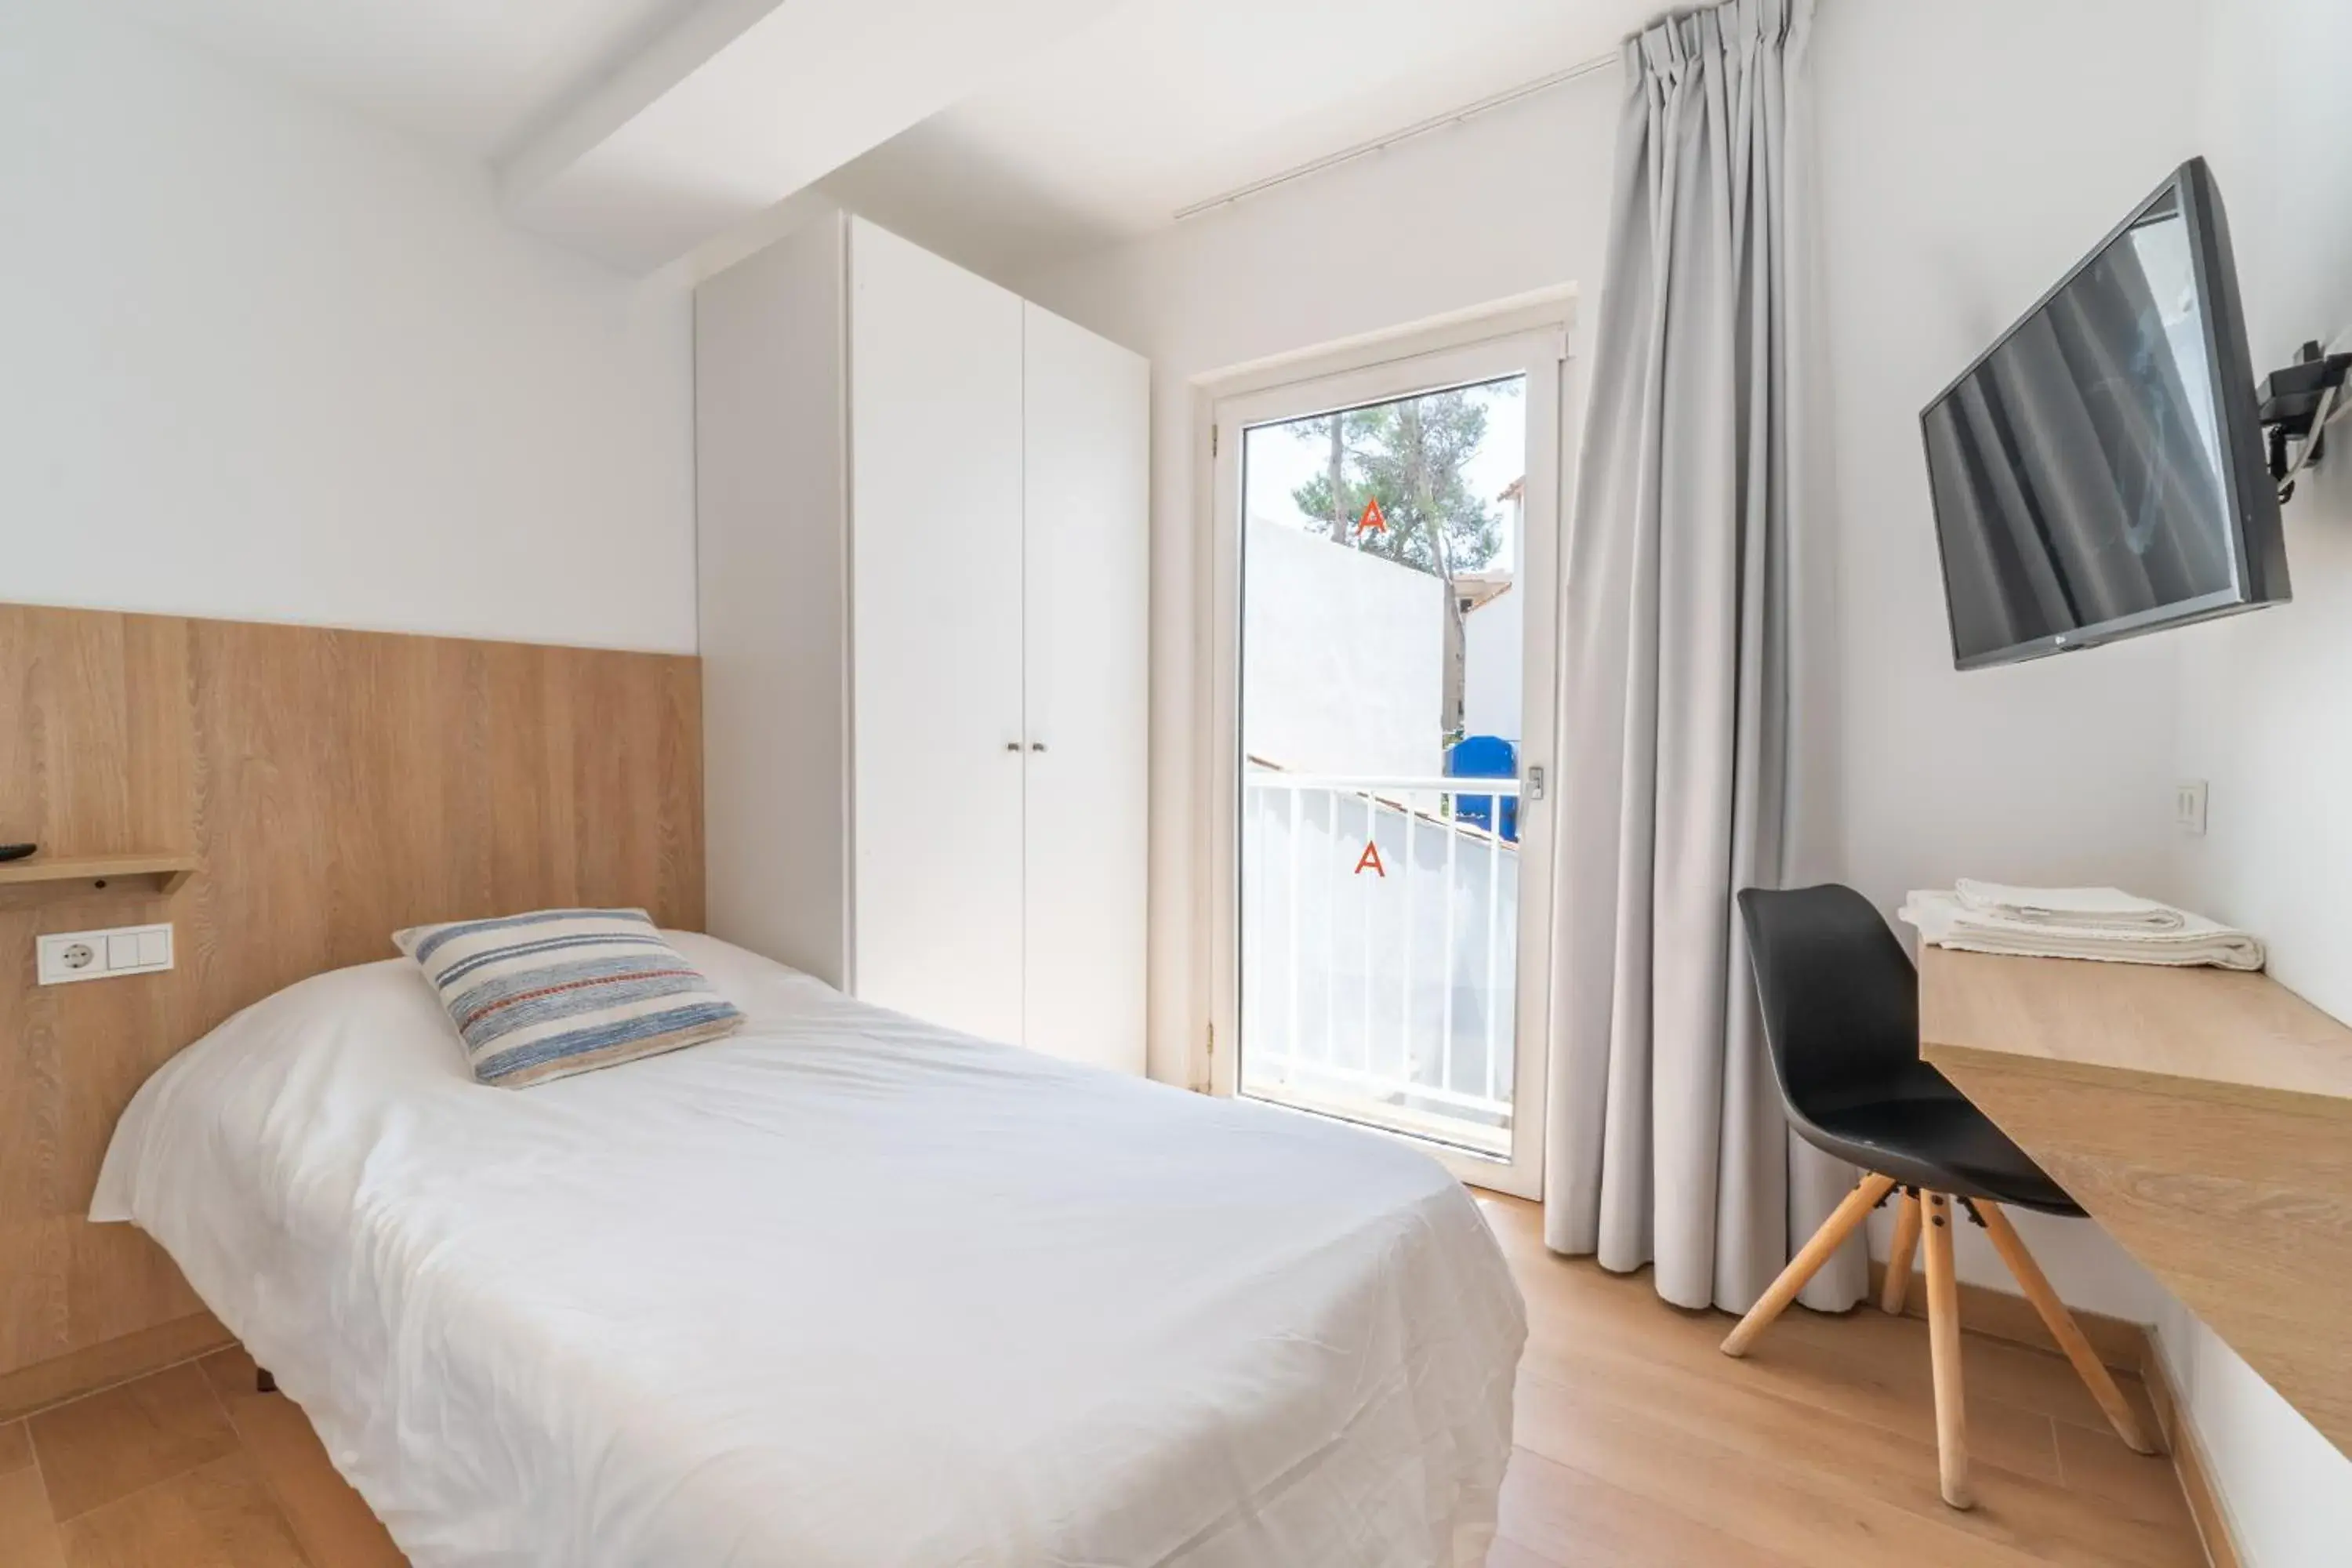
(1494, 665)
(1344, 661)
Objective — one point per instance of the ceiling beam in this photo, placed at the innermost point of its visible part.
(747, 102)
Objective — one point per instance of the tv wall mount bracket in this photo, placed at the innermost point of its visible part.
(2298, 403)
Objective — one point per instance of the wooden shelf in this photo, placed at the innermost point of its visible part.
(2201, 1116)
(157, 873)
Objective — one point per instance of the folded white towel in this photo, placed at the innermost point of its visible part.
(2106, 909)
(1946, 922)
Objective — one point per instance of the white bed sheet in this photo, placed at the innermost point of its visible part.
(844, 1290)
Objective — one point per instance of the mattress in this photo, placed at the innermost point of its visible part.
(843, 1290)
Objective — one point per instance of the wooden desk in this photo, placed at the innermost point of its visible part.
(2204, 1118)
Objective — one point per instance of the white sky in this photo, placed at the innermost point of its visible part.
(1275, 462)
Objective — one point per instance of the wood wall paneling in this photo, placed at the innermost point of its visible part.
(335, 785)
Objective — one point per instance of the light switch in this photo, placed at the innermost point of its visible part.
(71, 955)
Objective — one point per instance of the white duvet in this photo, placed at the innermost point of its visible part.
(844, 1290)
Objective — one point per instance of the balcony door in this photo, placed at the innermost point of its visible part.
(1387, 541)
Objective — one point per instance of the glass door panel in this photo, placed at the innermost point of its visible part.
(1384, 648)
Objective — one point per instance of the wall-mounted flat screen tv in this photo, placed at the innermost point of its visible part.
(2099, 472)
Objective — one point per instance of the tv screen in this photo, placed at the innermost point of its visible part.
(2099, 472)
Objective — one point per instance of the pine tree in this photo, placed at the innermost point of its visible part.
(1409, 454)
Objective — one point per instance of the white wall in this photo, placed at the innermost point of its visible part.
(1513, 200)
(1964, 168)
(1968, 155)
(1944, 215)
(1494, 665)
(1954, 195)
(1347, 666)
(2264, 715)
(267, 360)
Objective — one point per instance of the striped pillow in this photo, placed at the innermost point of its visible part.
(545, 995)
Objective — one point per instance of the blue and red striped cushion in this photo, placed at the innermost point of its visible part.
(545, 995)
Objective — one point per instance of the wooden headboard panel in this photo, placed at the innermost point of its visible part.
(335, 785)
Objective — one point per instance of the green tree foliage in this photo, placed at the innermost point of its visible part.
(1411, 456)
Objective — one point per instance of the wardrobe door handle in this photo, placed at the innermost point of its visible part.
(1036, 746)
(1012, 745)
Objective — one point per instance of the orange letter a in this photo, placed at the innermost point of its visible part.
(1372, 856)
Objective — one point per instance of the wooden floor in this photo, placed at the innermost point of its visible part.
(1639, 1446)
(187, 1468)
(1639, 1443)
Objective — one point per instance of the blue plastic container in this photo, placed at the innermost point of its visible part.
(1485, 757)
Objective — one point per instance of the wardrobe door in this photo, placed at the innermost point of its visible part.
(936, 590)
(1085, 548)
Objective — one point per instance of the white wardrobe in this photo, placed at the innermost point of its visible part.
(921, 504)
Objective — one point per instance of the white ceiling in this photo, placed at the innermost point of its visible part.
(1162, 103)
(754, 101)
(471, 75)
(1092, 122)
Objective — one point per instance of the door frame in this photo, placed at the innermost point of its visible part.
(1530, 335)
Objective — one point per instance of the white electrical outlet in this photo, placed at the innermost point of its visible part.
(2188, 807)
(66, 956)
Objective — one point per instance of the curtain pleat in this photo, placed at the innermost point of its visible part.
(1688, 676)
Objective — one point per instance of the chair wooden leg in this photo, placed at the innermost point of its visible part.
(1944, 1347)
(1808, 1263)
(1898, 1261)
(2064, 1328)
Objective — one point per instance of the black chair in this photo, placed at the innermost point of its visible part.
(1841, 1006)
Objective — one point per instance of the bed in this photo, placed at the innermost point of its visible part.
(842, 1289)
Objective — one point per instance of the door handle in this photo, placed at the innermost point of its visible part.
(1535, 783)
(1036, 746)
(1012, 745)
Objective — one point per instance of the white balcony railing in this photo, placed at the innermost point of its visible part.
(1379, 926)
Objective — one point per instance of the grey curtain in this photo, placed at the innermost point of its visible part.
(1687, 678)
